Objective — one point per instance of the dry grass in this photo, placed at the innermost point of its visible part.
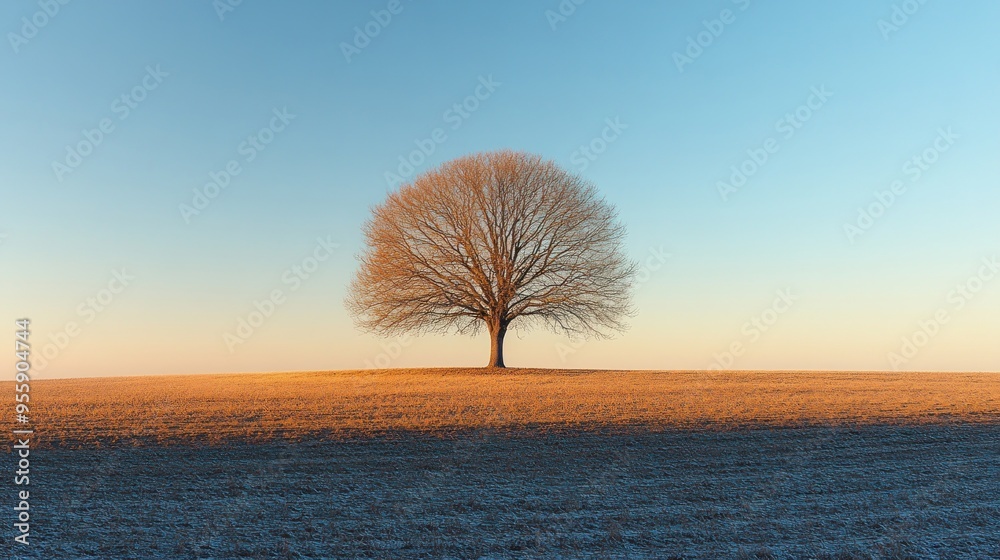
(293, 406)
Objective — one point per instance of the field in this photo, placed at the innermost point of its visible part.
(216, 409)
(520, 464)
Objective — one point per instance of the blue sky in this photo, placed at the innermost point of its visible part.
(898, 86)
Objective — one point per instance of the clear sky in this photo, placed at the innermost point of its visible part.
(166, 167)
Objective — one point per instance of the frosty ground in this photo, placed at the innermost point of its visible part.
(469, 463)
(813, 492)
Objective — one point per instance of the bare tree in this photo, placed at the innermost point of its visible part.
(488, 239)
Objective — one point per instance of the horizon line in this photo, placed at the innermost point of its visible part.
(501, 371)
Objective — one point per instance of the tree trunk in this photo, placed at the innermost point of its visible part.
(497, 333)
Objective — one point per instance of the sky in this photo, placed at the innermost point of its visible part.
(805, 185)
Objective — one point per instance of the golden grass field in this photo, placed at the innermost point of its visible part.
(215, 409)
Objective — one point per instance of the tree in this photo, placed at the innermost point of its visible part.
(489, 239)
